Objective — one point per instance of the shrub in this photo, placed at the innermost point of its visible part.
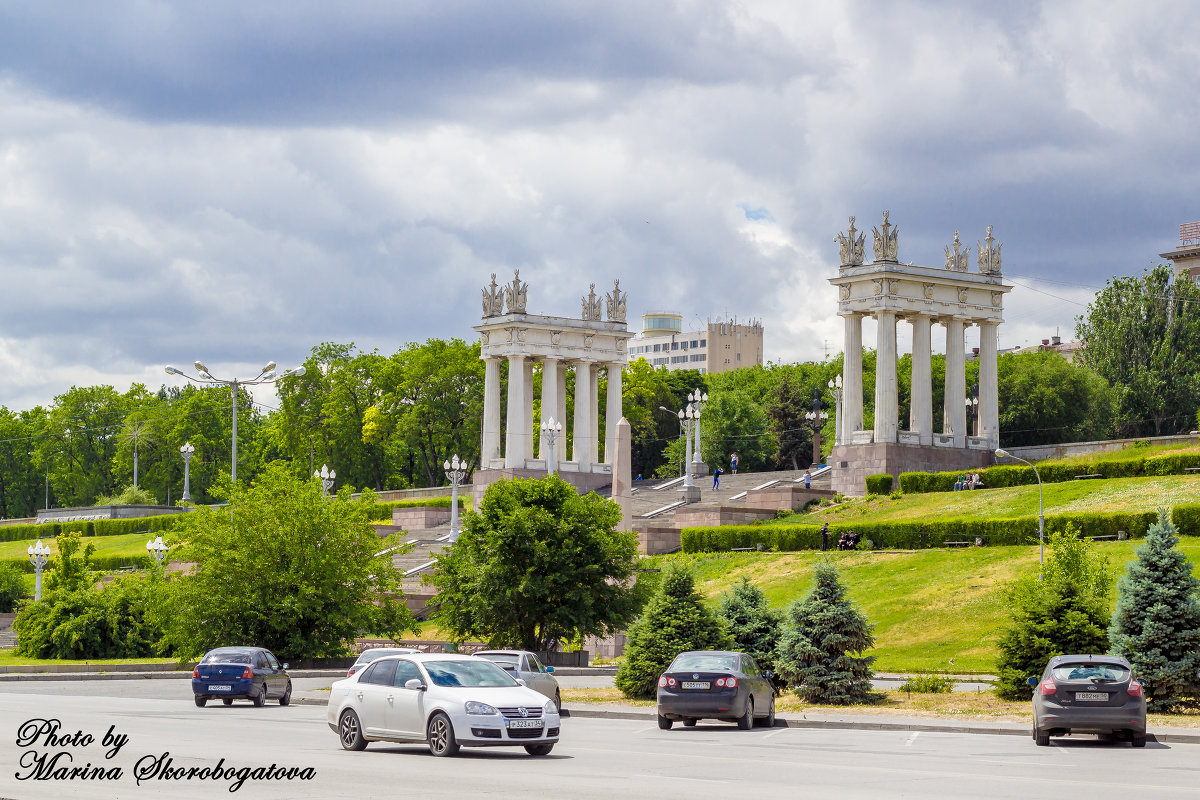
(879, 484)
(129, 496)
(90, 622)
(1001, 475)
(928, 684)
(12, 587)
(754, 625)
(674, 621)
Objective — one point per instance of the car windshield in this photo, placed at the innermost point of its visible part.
(367, 656)
(1087, 671)
(708, 662)
(478, 672)
(506, 660)
(229, 657)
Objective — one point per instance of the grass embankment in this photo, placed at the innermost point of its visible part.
(933, 610)
(8, 658)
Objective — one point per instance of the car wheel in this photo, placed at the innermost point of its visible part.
(441, 736)
(689, 723)
(539, 749)
(746, 721)
(261, 698)
(1138, 740)
(286, 697)
(664, 723)
(200, 701)
(769, 720)
(350, 731)
(557, 702)
(227, 701)
(1041, 737)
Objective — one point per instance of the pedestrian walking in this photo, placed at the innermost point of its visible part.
(733, 463)
(825, 537)
(807, 480)
(717, 477)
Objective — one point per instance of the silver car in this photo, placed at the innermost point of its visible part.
(526, 666)
(1088, 694)
(373, 653)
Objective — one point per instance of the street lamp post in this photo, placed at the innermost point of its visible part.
(698, 400)
(1002, 453)
(817, 417)
(551, 430)
(326, 476)
(39, 554)
(688, 417)
(456, 470)
(187, 449)
(972, 404)
(835, 388)
(157, 548)
(267, 375)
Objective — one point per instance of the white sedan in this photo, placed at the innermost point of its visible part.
(447, 700)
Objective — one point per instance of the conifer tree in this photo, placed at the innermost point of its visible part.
(1156, 624)
(822, 635)
(674, 621)
(754, 625)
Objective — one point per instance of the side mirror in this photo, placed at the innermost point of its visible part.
(285, 665)
(414, 683)
(549, 669)
(1031, 682)
(768, 674)
(521, 681)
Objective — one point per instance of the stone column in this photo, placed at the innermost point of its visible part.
(518, 424)
(583, 418)
(989, 400)
(613, 412)
(561, 413)
(956, 382)
(886, 386)
(491, 412)
(527, 419)
(920, 415)
(852, 377)
(549, 408)
(595, 418)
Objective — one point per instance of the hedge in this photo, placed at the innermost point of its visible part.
(383, 510)
(98, 527)
(1002, 475)
(929, 533)
(879, 484)
(98, 563)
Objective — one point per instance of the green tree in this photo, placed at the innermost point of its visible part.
(1064, 611)
(535, 566)
(282, 567)
(1142, 335)
(1046, 399)
(674, 621)
(754, 625)
(1156, 623)
(734, 422)
(822, 633)
(792, 432)
(12, 587)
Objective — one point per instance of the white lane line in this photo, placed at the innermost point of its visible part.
(908, 742)
(776, 733)
(644, 730)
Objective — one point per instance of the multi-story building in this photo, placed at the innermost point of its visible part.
(1186, 257)
(717, 347)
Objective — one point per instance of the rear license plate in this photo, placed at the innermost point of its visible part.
(1091, 696)
(525, 723)
(695, 684)
(219, 687)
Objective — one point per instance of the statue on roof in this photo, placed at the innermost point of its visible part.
(493, 299)
(887, 243)
(516, 293)
(956, 261)
(616, 303)
(989, 255)
(851, 247)
(590, 304)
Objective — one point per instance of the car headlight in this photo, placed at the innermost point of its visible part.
(550, 708)
(480, 708)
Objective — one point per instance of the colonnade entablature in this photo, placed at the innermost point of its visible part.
(587, 345)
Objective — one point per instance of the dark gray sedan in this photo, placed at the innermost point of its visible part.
(714, 684)
(1088, 694)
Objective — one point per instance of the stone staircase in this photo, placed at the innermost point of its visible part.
(425, 533)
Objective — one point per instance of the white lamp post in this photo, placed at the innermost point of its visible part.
(688, 417)
(697, 399)
(157, 548)
(39, 554)
(267, 375)
(1002, 453)
(456, 470)
(835, 388)
(551, 430)
(187, 449)
(326, 476)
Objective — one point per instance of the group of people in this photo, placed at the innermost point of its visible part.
(718, 472)
(969, 480)
(847, 541)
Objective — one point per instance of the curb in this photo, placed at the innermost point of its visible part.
(145, 676)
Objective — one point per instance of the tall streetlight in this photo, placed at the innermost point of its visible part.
(187, 449)
(157, 548)
(817, 417)
(698, 400)
(835, 389)
(682, 428)
(1002, 453)
(551, 430)
(326, 476)
(267, 375)
(688, 417)
(456, 470)
(972, 404)
(39, 554)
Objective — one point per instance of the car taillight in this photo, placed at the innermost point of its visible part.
(196, 672)
(1135, 689)
(350, 672)
(1048, 687)
(666, 682)
(728, 683)
(247, 673)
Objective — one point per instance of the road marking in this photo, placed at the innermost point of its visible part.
(908, 742)
(644, 730)
(776, 733)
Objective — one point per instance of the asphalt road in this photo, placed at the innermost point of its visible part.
(598, 758)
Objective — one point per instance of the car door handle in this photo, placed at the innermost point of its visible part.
(360, 695)
(390, 698)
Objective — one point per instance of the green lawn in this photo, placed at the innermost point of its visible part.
(928, 606)
(7, 658)
(131, 544)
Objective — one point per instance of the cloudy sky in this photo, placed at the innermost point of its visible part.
(236, 182)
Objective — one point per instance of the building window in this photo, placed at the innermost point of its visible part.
(656, 347)
(727, 361)
(695, 343)
(674, 345)
(704, 342)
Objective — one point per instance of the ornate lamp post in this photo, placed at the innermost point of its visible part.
(267, 375)
(1002, 453)
(157, 548)
(326, 476)
(551, 430)
(187, 449)
(688, 417)
(835, 388)
(698, 400)
(817, 417)
(972, 403)
(455, 471)
(39, 554)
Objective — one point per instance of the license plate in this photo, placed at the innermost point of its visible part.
(1092, 696)
(219, 687)
(695, 684)
(525, 723)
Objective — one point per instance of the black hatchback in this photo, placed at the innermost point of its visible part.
(1088, 694)
(715, 684)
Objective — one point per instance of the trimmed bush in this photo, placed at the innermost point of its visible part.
(927, 684)
(879, 484)
(383, 510)
(1001, 475)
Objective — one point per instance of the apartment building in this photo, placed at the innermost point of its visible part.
(717, 346)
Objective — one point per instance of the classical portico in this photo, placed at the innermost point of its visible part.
(892, 292)
(590, 346)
